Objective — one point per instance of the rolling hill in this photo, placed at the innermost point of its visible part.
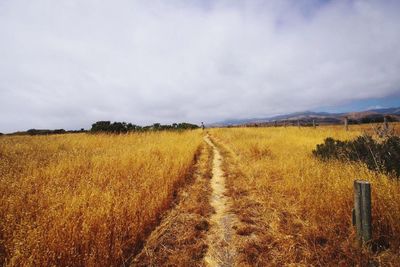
(307, 117)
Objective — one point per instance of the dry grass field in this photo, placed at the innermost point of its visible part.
(147, 199)
(87, 200)
(295, 209)
(180, 238)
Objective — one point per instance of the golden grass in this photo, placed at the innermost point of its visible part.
(180, 239)
(87, 199)
(295, 209)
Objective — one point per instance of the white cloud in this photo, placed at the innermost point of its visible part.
(66, 64)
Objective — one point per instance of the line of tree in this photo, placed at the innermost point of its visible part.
(56, 131)
(378, 118)
(46, 132)
(123, 127)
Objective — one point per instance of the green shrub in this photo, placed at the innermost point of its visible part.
(380, 156)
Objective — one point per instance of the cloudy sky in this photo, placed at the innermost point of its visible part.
(68, 63)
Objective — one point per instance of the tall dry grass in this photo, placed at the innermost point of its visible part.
(295, 209)
(86, 199)
(181, 237)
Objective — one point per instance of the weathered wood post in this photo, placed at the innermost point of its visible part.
(298, 123)
(346, 123)
(385, 123)
(362, 211)
(313, 124)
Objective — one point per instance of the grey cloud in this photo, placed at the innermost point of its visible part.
(66, 64)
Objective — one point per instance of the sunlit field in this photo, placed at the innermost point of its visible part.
(296, 209)
(82, 199)
(94, 199)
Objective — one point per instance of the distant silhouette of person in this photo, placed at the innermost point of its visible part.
(202, 126)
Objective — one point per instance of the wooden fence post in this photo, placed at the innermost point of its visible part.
(298, 123)
(346, 123)
(313, 123)
(362, 211)
(385, 123)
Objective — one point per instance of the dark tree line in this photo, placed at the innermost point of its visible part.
(47, 131)
(378, 119)
(111, 127)
(123, 127)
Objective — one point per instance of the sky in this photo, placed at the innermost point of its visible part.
(364, 104)
(69, 63)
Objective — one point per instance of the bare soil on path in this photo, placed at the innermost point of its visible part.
(197, 230)
(181, 237)
(220, 250)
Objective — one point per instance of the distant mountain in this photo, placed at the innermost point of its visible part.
(307, 117)
(395, 111)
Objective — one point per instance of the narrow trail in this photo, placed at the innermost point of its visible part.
(220, 251)
(181, 237)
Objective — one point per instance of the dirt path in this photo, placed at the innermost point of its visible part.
(197, 230)
(181, 237)
(220, 251)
